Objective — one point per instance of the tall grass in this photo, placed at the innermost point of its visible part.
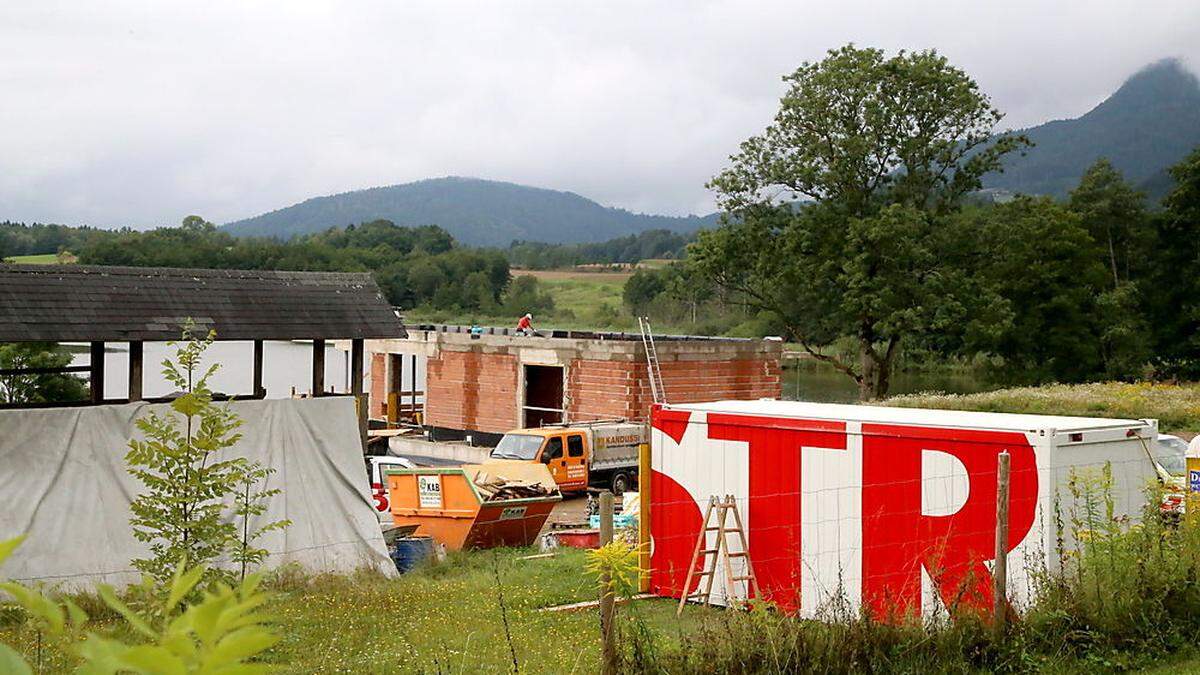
(1126, 595)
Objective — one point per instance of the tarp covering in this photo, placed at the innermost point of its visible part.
(64, 484)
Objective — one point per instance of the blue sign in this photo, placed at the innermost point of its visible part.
(1194, 480)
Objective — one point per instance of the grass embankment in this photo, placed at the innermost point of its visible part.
(1175, 406)
(441, 618)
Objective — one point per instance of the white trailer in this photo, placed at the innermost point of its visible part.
(877, 508)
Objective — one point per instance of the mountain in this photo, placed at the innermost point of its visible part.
(1147, 125)
(477, 212)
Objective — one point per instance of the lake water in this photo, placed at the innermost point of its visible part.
(808, 380)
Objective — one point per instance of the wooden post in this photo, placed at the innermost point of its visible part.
(607, 596)
(135, 371)
(395, 387)
(413, 376)
(1000, 569)
(357, 356)
(97, 372)
(644, 470)
(318, 364)
(259, 390)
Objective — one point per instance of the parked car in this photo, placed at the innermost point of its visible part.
(375, 467)
(1170, 453)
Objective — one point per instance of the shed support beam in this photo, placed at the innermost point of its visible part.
(97, 372)
(357, 354)
(259, 391)
(318, 364)
(135, 371)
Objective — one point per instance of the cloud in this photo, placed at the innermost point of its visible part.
(139, 113)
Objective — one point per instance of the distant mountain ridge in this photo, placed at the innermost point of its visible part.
(1149, 124)
(477, 212)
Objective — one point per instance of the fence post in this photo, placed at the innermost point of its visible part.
(1000, 569)
(607, 599)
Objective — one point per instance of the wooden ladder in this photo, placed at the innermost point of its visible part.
(723, 507)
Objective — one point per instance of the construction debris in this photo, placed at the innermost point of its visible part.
(499, 488)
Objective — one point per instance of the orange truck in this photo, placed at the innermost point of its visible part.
(592, 454)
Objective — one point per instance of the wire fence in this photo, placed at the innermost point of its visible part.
(839, 539)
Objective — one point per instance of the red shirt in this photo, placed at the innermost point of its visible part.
(524, 323)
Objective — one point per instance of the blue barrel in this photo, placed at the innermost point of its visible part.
(411, 551)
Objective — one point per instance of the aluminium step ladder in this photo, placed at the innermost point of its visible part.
(712, 556)
(657, 393)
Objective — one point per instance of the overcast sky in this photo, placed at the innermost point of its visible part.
(139, 113)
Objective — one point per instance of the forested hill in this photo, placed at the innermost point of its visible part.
(477, 212)
(1148, 124)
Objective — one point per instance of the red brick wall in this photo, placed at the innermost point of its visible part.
(379, 382)
(469, 390)
(605, 389)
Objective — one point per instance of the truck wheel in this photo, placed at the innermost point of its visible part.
(621, 482)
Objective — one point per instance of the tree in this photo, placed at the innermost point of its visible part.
(192, 497)
(38, 388)
(684, 284)
(882, 149)
(641, 289)
(1172, 292)
(1043, 265)
(525, 295)
(1114, 214)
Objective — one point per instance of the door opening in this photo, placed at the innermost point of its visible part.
(543, 395)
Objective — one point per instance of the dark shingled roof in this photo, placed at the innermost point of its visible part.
(69, 303)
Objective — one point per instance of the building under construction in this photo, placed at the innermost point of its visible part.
(480, 382)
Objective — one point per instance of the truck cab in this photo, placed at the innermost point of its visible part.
(564, 451)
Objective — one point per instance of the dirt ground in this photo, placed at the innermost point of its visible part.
(570, 511)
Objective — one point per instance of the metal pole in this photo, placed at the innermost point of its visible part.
(607, 599)
(1000, 569)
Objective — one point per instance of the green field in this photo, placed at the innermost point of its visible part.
(39, 259)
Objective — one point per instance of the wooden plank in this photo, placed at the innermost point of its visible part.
(257, 389)
(588, 604)
(318, 368)
(135, 371)
(357, 354)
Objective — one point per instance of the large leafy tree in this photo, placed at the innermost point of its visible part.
(836, 213)
(1114, 213)
(1173, 284)
(37, 387)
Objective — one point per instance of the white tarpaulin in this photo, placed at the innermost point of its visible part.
(64, 484)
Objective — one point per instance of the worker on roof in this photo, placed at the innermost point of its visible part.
(525, 325)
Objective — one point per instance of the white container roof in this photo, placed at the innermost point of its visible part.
(909, 416)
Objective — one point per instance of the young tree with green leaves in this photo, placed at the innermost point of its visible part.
(193, 495)
(835, 214)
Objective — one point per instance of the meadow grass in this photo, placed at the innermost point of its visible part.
(39, 259)
(1175, 406)
(442, 617)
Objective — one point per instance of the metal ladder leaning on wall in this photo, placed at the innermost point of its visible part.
(723, 507)
(657, 393)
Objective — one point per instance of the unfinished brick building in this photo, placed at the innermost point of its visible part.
(484, 384)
